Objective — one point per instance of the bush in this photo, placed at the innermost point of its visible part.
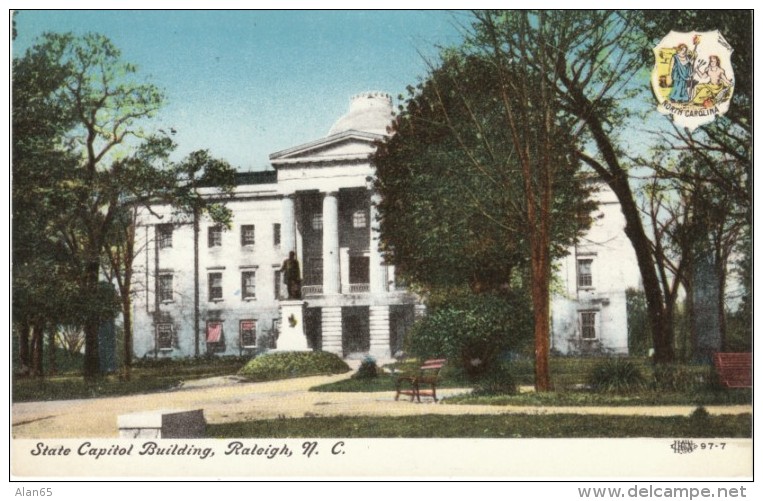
(499, 381)
(367, 369)
(273, 366)
(616, 375)
(151, 362)
(682, 378)
(472, 331)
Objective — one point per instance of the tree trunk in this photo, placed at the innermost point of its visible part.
(617, 179)
(540, 297)
(125, 292)
(196, 314)
(37, 350)
(91, 368)
(127, 327)
(52, 366)
(721, 271)
(24, 336)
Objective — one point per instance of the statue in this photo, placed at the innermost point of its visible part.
(292, 277)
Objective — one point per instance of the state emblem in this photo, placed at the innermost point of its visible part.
(692, 77)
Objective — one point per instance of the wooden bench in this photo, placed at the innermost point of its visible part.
(734, 369)
(427, 375)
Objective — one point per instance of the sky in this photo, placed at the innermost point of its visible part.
(244, 84)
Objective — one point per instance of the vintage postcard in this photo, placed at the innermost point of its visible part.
(383, 244)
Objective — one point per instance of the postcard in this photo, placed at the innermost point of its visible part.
(383, 244)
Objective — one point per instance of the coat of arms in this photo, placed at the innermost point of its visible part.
(692, 77)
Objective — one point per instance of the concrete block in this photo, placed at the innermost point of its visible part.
(173, 423)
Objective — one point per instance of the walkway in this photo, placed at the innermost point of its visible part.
(226, 400)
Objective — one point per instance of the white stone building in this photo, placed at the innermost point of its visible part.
(317, 202)
(588, 311)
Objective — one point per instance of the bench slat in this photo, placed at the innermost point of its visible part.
(734, 369)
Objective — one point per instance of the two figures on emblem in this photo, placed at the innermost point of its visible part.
(703, 86)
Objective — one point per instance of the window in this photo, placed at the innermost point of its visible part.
(215, 281)
(247, 285)
(248, 333)
(359, 270)
(164, 337)
(317, 221)
(588, 325)
(247, 234)
(215, 236)
(276, 235)
(314, 273)
(164, 236)
(165, 287)
(584, 273)
(359, 219)
(215, 337)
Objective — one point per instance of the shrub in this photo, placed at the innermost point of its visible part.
(499, 381)
(290, 364)
(367, 369)
(682, 378)
(472, 331)
(616, 375)
(700, 414)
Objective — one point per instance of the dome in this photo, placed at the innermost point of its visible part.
(369, 112)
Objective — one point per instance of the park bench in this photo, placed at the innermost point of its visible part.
(734, 369)
(427, 375)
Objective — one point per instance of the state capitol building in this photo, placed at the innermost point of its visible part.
(318, 202)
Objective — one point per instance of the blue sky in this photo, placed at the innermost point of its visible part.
(245, 84)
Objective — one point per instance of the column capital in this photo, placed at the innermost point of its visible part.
(331, 193)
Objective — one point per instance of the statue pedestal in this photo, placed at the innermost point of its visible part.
(292, 336)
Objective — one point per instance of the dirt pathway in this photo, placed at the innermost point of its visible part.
(226, 400)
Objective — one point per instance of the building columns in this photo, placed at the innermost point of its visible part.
(331, 243)
(288, 225)
(377, 272)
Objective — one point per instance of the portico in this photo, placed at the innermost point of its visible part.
(330, 221)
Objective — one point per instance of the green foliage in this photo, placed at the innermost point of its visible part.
(700, 414)
(273, 366)
(79, 152)
(472, 331)
(478, 426)
(452, 208)
(367, 369)
(498, 381)
(616, 375)
(682, 377)
(175, 364)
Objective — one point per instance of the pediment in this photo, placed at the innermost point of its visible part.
(345, 145)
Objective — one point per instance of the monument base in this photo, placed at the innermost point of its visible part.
(292, 335)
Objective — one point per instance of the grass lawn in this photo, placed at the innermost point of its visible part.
(482, 426)
(384, 382)
(581, 397)
(147, 376)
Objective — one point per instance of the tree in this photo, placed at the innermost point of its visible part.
(587, 60)
(105, 107)
(479, 181)
(714, 164)
(202, 183)
(40, 209)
